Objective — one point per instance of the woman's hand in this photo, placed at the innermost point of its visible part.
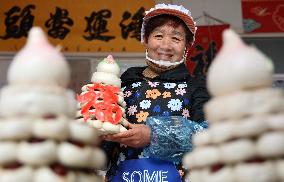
(137, 136)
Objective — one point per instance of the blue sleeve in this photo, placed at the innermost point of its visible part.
(171, 137)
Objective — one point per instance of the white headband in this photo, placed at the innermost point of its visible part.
(180, 8)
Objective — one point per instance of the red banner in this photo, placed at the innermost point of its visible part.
(208, 41)
(263, 16)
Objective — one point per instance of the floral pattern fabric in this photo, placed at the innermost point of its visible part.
(146, 98)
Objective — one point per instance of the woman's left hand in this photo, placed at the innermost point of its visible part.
(137, 136)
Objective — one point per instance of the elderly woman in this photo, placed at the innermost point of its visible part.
(164, 103)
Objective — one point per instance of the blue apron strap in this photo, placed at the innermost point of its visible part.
(147, 170)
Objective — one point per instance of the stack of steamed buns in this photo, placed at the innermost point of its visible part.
(101, 103)
(245, 139)
(39, 139)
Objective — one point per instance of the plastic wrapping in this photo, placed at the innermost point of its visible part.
(171, 137)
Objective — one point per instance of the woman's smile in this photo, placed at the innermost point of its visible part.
(165, 56)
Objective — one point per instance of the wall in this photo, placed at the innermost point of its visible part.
(82, 66)
(226, 10)
(4, 64)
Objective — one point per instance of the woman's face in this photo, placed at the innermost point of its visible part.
(166, 43)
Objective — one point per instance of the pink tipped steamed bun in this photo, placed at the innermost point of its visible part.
(109, 65)
(39, 63)
(238, 67)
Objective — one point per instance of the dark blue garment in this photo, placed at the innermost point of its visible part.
(147, 169)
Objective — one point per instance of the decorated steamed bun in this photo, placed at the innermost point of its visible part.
(101, 103)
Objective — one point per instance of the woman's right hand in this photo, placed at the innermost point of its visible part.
(137, 136)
